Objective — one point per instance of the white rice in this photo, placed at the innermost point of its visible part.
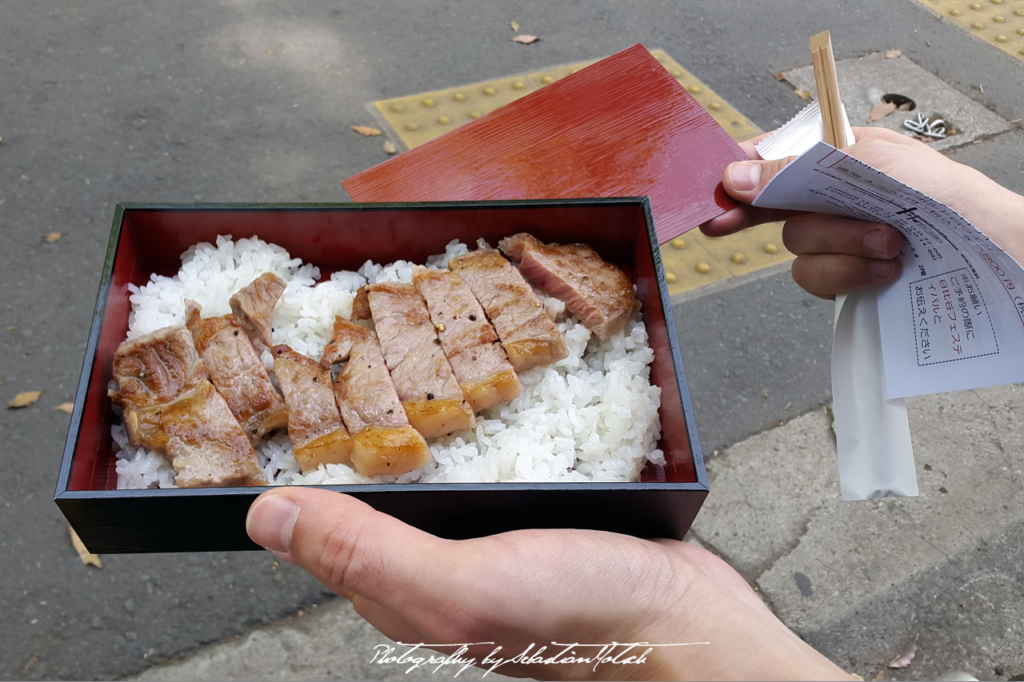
(590, 417)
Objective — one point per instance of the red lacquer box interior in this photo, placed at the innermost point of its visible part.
(149, 239)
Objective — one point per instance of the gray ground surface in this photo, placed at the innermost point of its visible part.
(142, 101)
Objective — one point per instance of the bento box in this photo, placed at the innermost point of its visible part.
(149, 239)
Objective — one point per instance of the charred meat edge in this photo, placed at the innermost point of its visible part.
(171, 406)
(383, 441)
(423, 378)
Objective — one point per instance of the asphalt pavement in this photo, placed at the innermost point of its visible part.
(245, 101)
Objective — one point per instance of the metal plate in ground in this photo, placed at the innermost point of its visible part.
(997, 22)
(415, 119)
(864, 80)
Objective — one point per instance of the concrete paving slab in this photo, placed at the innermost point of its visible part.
(331, 642)
(764, 491)
(863, 81)
(858, 579)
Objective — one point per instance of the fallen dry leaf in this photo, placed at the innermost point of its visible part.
(366, 130)
(906, 656)
(880, 676)
(525, 39)
(892, 54)
(882, 110)
(779, 76)
(802, 94)
(51, 237)
(87, 558)
(31, 661)
(514, 24)
(65, 407)
(390, 147)
(856, 676)
(24, 399)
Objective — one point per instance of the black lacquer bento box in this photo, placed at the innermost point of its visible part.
(149, 239)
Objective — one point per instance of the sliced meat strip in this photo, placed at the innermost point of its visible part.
(467, 338)
(529, 336)
(254, 306)
(170, 405)
(419, 369)
(237, 372)
(383, 442)
(314, 423)
(597, 292)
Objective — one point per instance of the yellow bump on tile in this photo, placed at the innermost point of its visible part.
(420, 118)
(746, 251)
(417, 118)
(683, 265)
(990, 21)
(679, 243)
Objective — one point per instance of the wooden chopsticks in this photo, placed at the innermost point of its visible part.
(828, 89)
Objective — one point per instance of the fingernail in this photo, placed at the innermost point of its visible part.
(874, 242)
(882, 269)
(271, 520)
(744, 175)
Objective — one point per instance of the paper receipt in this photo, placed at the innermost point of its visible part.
(955, 318)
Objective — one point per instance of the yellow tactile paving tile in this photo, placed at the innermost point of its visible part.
(746, 251)
(415, 119)
(688, 265)
(997, 22)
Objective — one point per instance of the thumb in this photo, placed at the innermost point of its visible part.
(344, 543)
(744, 180)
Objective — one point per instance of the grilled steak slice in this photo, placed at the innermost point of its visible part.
(383, 442)
(314, 423)
(170, 405)
(237, 372)
(467, 338)
(254, 306)
(597, 292)
(423, 378)
(529, 336)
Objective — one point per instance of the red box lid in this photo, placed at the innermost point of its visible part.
(620, 127)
